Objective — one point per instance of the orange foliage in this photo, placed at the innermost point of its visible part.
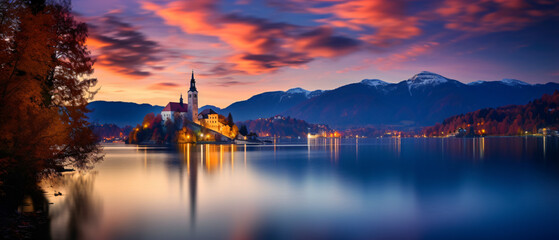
(44, 91)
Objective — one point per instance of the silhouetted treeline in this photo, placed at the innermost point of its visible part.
(110, 131)
(365, 132)
(282, 127)
(508, 120)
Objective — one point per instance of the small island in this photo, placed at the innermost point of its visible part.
(181, 122)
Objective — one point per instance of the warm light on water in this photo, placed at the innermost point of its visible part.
(325, 188)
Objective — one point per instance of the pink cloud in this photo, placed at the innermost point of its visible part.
(389, 19)
(394, 60)
(258, 45)
(366, 64)
(164, 86)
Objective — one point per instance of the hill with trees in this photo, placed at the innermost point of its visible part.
(282, 127)
(110, 132)
(509, 120)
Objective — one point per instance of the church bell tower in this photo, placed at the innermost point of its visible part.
(193, 100)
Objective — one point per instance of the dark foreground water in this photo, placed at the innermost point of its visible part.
(486, 188)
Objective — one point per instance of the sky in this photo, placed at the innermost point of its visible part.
(145, 50)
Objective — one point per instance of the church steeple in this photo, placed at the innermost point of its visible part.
(192, 83)
(193, 100)
(181, 99)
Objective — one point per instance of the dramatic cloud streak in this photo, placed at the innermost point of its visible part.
(495, 15)
(259, 45)
(122, 48)
(389, 19)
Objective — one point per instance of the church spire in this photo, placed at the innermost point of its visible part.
(192, 83)
(181, 98)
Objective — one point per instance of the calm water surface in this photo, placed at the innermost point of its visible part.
(484, 188)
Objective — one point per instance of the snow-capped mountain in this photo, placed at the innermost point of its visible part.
(374, 82)
(426, 79)
(514, 82)
(307, 93)
(476, 83)
(269, 104)
(423, 99)
(505, 81)
(298, 91)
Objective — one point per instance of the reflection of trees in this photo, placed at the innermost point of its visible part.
(80, 209)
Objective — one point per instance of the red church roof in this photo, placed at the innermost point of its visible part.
(176, 107)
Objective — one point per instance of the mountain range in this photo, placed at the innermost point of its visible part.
(422, 100)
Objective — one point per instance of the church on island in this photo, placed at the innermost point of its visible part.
(185, 111)
(208, 118)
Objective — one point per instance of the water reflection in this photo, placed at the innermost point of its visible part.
(320, 188)
(76, 213)
(192, 183)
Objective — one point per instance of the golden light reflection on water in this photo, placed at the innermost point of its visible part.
(144, 189)
(332, 145)
(544, 146)
(356, 149)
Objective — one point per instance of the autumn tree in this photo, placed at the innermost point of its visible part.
(44, 90)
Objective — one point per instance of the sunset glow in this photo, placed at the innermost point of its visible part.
(146, 49)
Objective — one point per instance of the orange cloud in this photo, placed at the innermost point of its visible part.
(259, 45)
(388, 18)
(93, 43)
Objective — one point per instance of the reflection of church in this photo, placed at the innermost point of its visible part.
(208, 158)
(188, 111)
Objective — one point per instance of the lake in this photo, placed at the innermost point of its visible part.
(433, 188)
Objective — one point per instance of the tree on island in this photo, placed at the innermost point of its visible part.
(44, 90)
(230, 122)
